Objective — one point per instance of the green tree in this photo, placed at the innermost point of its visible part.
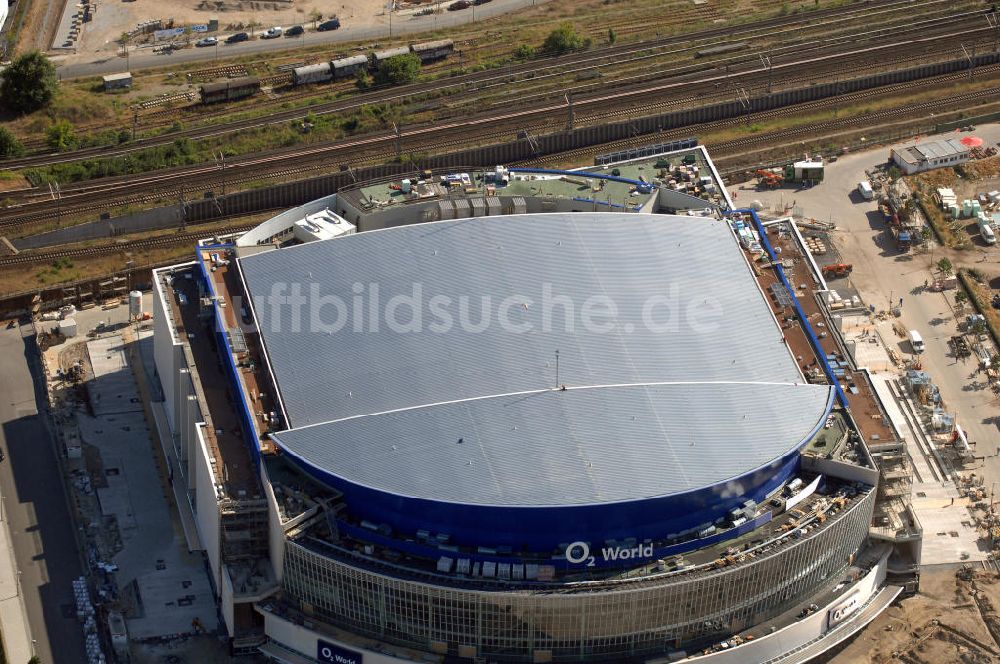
(612, 36)
(315, 16)
(60, 135)
(9, 145)
(564, 39)
(29, 83)
(398, 69)
(944, 266)
(960, 299)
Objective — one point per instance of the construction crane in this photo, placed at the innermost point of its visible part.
(837, 270)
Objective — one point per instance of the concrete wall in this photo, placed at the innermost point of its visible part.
(801, 632)
(206, 509)
(169, 216)
(226, 603)
(304, 640)
(841, 470)
(166, 349)
(275, 533)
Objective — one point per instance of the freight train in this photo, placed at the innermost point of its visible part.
(336, 70)
(231, 90)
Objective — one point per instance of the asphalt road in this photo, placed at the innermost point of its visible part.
(401, 24)
(34, 504)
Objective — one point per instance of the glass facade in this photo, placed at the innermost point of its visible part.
(597, 621)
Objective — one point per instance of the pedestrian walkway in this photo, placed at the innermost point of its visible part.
(13, 616)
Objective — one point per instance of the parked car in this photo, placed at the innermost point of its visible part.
(460, 4)
(294, 31)
(238, 37)
(207, 41)
(332, 24)
(271, 33)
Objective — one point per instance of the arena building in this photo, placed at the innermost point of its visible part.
(522, 415)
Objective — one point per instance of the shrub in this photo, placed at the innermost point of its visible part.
(524, 52)
(564, 39)
(398, 70)
(60, 135)
(9, 145)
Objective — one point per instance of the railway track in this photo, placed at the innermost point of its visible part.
(742, 144)
(533, 72)
(720, 149)
(139, 189)
(33, 258)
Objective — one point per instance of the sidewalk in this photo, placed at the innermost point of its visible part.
(13, 616)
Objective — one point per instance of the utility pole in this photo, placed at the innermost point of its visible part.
(744, 99)
(569, 106)
(135, 121)
(58, 196)
(766, 61)
(182, 209)
(972, 65)
(220, 159)
(399, 141)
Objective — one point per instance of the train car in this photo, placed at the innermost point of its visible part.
(236, 88)
(434, 50)
(379, 56)
(320, 73)
(345, 67)
(719, 50)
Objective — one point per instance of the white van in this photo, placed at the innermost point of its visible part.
(866, 191)
(989, 237)
(916, 341)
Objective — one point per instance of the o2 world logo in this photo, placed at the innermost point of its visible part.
(579, 553)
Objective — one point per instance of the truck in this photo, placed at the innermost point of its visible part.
(804, 171)
(903, 237)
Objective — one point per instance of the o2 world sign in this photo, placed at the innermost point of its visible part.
(328, 653)
(578, 553)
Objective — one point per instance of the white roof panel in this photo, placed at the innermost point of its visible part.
(579, 446)
(688, 310)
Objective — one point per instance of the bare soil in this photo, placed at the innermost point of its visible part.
(948, 621)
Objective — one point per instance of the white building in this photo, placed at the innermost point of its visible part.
(929, 154)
